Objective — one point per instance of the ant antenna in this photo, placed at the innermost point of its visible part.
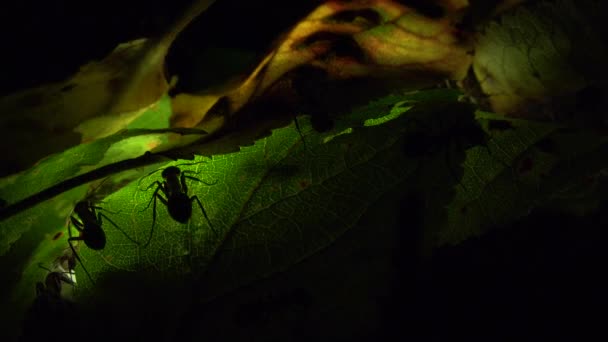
(78, 258)
(163, 168)
(44, 267)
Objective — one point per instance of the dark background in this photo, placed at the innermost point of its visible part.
(541, 277)
(48, 40)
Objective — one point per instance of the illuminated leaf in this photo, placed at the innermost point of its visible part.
(283, 194)
(77, 160)
(533, 61)
(49, 245)
(101, 99)
(280, 201)
(380, 40)
(288, 197)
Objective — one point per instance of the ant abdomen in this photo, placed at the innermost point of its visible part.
(88, 222)
(180, 208)
(95, 238)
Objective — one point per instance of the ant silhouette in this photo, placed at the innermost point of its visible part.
(177, 201)
(88, 222)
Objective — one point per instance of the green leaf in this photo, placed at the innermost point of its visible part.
(103, 98)
(535, 57)
(77, 160)
(273, 205)
(286, 198)
(520, 169)
(279, 201)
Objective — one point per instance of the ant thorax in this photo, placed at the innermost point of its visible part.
(171, 172)
(84, 211)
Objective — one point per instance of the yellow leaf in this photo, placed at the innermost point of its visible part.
(377, 39)
(99, 100)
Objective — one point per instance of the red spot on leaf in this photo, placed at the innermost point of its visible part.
(152, 144)
(304, 184)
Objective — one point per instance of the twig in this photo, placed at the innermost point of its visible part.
(104, 171)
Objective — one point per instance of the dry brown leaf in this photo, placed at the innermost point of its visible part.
(534, 63)
(99, 100)
(379, 39)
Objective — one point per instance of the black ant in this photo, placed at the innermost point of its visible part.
(89, 224)
(177, 201)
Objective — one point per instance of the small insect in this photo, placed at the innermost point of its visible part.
(52, 283)
(50, 309)
(177, 201)
(88, 222)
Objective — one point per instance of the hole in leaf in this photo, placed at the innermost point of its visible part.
(57, 236)
(425, 7)
(368, 16)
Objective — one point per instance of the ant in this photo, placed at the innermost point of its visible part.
(52, 283)
(50, 309)
(177, 201)
(89, 224)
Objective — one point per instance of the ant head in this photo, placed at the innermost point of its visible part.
(171, 171)
(81, 206)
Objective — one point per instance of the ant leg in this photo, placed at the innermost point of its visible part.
(195, 198)
(182, 180)
(77, 224)
(101, 215)
(190, 164)
(198, 180)
(164, 201)
(111, 212)
(159, 186)
(78, 258)
(44, 267)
